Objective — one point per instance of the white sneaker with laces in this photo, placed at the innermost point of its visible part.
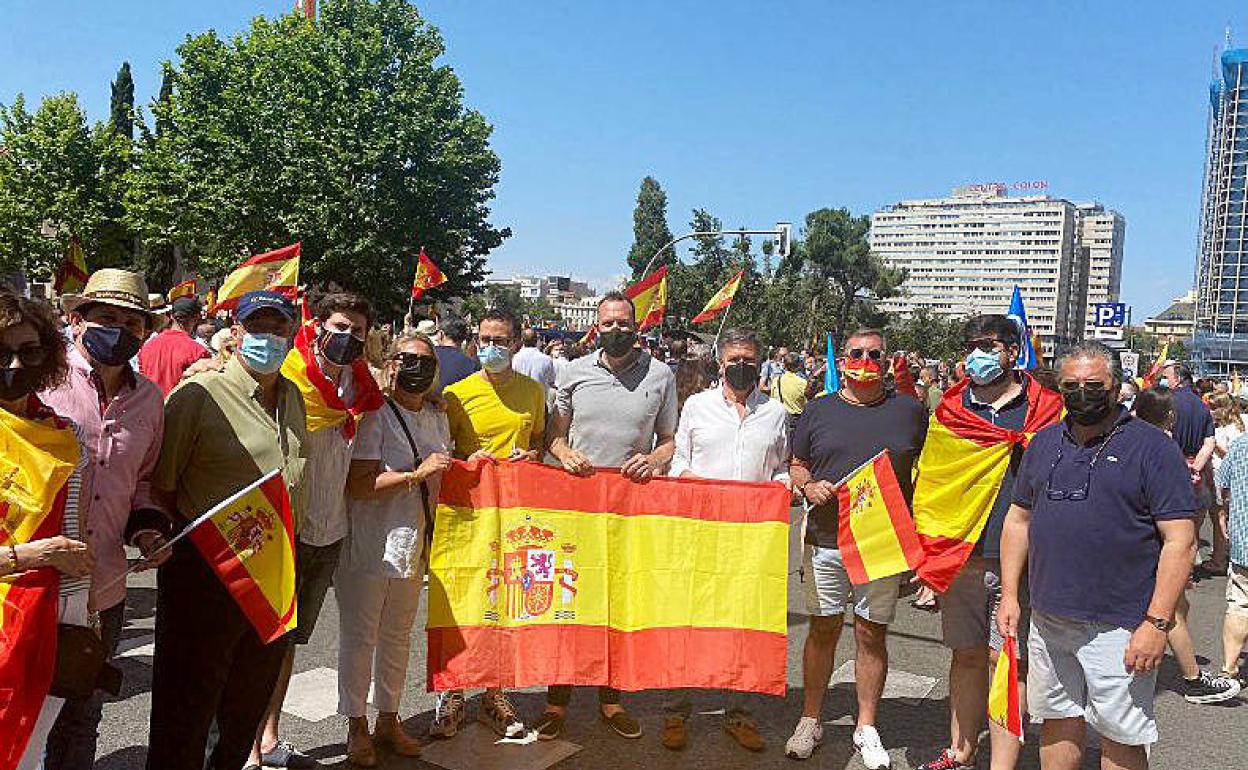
(868, 743)
(806, 738)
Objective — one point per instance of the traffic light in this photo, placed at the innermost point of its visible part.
(784, 238)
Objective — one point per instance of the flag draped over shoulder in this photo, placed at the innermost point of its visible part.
(649, 296)
(427, 276)
(1004, 707)
(539, 576)
(275, 270)
(249, 541)
(72, 274)
(325, 408)
(875, 534)
(963, 463)
(722, 299)
(37, 457)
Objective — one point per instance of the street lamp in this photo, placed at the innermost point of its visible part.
(783, 233)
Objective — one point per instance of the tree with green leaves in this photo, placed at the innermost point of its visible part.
(347, 134)
(930, 334)
(121, 108)
(650, 230)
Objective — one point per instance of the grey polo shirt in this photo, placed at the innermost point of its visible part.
(616, 415)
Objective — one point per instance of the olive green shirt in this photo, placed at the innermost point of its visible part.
(219, 438)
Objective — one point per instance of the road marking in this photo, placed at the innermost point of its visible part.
(901, 685)
(313, 695)
(138, 647)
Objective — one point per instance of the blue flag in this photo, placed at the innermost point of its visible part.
(831, 378)
(1026, 351)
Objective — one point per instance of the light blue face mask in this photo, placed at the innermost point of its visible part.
(983, 367)
(494, 358)
(1164, 382)
(263, 353)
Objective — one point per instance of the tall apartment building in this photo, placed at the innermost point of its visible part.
(1220, 338)
(965, 254)
(1101, 232)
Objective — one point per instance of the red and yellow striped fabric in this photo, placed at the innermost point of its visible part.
(37, 457)
(184, 289)
(875, 533)
(722, 299)
(250, 544)
(275, 270)
(649, 296)
(964, 460)
(1004, 707)
(325, 408)
(541, 577)
(71, 274)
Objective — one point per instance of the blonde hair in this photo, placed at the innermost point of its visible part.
(1224, 410)
(389, 375)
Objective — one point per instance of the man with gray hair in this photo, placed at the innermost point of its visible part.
(1102, 519)
(613, 409)
(730, 432)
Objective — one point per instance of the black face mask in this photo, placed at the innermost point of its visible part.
(1088, 407)
(341, 348)
(110, 345)
(16, 383)
(741, 375)
(618, 342)
(418, 377)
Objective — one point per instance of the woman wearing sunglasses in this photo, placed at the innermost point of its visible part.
(44, 565)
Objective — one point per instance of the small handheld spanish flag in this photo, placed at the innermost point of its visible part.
(184, 289)
(722, 299)
(71, 275)
(427, 276)
(875, 532)
(1004, 708)
(649, 296)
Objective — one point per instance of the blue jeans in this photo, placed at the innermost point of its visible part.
(71, 744)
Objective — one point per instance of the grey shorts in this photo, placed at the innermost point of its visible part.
(968, 610)
(314, 576)
(828, 590)
(1077, 670)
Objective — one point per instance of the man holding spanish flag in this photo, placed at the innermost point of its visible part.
(223, 431)
(834, 436)
(975, 441)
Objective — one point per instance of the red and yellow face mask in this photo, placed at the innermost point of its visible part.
(863, 369)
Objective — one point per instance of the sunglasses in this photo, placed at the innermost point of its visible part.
(875, 354)
(1081, 493)
(1092, 386)
(31, 355)
(409, 360)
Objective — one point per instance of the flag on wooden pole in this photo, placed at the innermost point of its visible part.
(427, 276)
(649, 296)
(275, 270)
(1004, 707)
(722, 299)
(875, 532)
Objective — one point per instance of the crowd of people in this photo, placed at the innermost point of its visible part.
(1106, 485)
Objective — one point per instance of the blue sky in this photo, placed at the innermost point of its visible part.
(762, 111)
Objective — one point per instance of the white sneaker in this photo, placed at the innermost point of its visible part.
(806, 738)
(867, 741)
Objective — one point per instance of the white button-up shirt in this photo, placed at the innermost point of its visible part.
(714, 441)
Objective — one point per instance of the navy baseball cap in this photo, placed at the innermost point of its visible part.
(255, 301)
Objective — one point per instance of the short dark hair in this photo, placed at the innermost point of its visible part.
(1183, 372)
(740, 336)
(793, 362)
(1155, 406)
(455, 328)
(617, 296)
(529, 337)
(344, 302)
(994, 324)
(15, 310)
(504, 315)
(678, 348)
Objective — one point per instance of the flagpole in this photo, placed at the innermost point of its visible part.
(206, 515)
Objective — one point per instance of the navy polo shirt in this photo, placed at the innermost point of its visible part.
(1012, 415)
(1192, 421)
(1096, 559)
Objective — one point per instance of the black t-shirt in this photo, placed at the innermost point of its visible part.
(833, 437)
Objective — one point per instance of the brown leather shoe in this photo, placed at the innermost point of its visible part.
(360, 751)
(744, 731)
(391, 733)
(674, 736)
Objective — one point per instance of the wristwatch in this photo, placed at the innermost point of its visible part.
(1161, 624)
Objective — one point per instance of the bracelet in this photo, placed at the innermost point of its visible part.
(410, 478)
(13, 557)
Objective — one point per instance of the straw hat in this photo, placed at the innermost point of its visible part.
(111, 286)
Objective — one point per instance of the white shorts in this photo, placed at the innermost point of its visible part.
(827, 588)
(1076, 669)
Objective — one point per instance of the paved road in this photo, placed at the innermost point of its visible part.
(913, 722)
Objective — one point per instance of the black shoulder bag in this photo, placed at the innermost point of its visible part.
(416, 461)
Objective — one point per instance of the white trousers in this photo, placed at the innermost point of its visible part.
(73, 610)
(375, 617)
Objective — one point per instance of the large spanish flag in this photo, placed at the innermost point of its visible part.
(37, 458)
(963, 463)
(275, 270)
(249, 541)
(325, 408)
(541, 577)
(428, 275)
(1004, 706)
(649, 296)
(722, 299)
(875, 533)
